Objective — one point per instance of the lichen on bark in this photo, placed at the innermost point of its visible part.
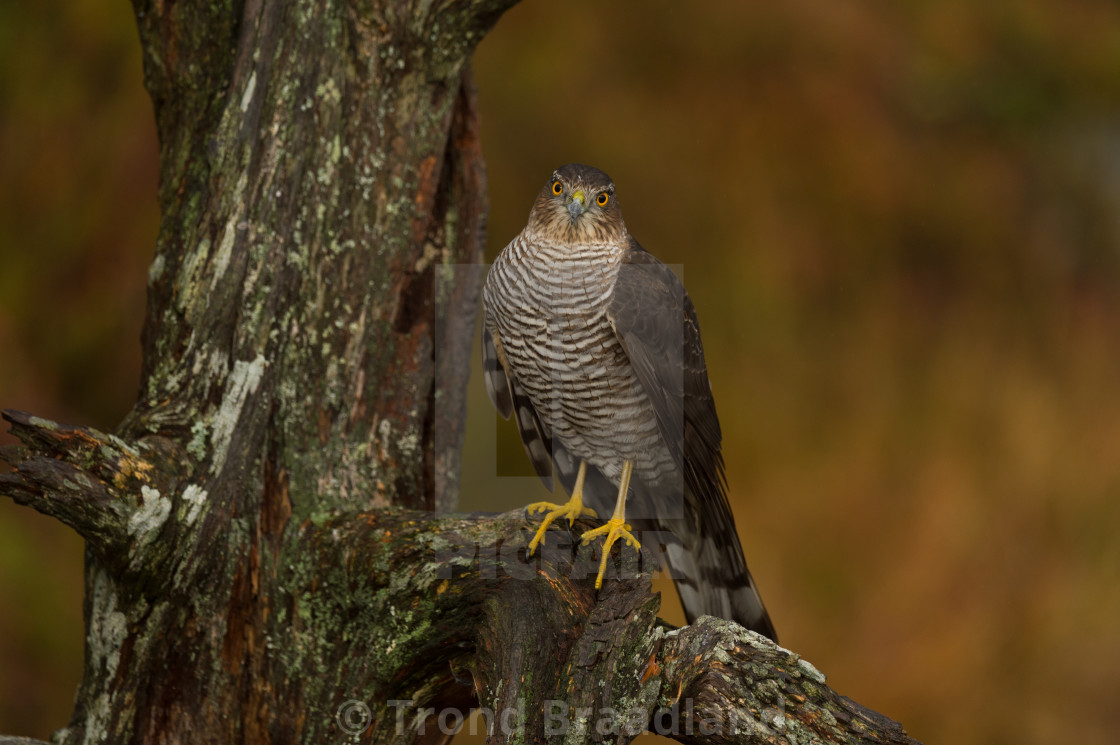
(265, 537)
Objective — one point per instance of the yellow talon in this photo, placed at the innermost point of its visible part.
(572, 509)
(616, 527)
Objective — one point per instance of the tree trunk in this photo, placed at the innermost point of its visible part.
(265, 560)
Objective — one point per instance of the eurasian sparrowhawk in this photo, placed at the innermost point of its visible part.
(594, 345)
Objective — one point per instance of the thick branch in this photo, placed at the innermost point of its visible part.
(724, 684)
(551, 660)
(418, 614)
(107, 490)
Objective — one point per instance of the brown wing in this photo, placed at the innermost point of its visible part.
(655, 321)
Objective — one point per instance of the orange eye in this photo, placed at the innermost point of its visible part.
(557, 187)
(602, 199)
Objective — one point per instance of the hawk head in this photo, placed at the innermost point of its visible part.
(578, 205)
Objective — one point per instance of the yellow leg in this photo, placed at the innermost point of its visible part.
(616, 527)
(573, 509)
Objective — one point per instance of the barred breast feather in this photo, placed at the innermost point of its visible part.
(594, 347)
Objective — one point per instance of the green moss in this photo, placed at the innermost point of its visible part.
(42, 423)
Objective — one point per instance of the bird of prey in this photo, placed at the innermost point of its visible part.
(593, 345)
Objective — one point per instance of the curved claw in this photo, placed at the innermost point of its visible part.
(572, 509)
(616, 528)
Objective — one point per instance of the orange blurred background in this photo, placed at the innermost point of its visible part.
(899, 224)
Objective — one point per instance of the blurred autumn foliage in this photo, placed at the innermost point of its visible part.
(900, 223)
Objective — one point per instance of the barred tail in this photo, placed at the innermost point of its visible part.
(712, 579)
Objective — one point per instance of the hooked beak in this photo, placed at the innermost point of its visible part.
(575, 204)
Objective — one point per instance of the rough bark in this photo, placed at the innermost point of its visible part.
(392, 625)
(266, 559)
